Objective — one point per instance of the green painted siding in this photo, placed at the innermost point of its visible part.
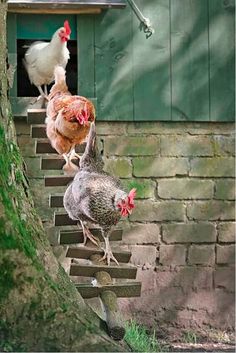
(86, 59)
(42, 26)
(189, 60)
(114, 65)
(183, 72)
(222, 59)
(151, 63)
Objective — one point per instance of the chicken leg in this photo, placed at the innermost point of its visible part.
(45, 90)
(42, 94)
(73, 154)
(108, 255)
(69, 167)
(87, 234)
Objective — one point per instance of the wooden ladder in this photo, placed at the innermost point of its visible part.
(110, 282)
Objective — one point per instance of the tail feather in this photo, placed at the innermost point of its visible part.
(91, 157)
(91, 142)
(59, 75)
(60, 82)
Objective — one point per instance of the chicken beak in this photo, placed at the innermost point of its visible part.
(129, 211)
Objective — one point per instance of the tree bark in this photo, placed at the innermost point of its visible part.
(40, 309)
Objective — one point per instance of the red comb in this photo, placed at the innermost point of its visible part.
(131, 197)
(67, 27)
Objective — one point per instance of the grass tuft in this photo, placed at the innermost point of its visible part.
(139, 340)
(189, 337)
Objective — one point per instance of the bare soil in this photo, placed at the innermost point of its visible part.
(197, 340)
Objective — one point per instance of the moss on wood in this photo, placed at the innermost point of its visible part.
(40, 308)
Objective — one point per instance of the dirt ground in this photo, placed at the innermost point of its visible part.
(196, 340)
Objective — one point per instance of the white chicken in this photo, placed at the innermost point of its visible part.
(41, 58)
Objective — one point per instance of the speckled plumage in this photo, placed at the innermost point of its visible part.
(93, 194)
(91, 197)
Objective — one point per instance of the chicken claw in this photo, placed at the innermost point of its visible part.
(73, 154)
(108, 255)
(69, 167)
(43, 94)
(88, 235)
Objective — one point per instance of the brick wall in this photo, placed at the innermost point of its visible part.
(181, 232)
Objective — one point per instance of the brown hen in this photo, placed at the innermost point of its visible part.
(68, 119)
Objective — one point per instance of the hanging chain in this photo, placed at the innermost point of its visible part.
(145, 23)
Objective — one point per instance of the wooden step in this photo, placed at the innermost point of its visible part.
(38, 131)
(122, 290)
(62, 219)
(85, 252)
(56, 200)
(44, 146)
(55, 162)
(36, 116)
(67, 237)
(121, 271)
(59, 180)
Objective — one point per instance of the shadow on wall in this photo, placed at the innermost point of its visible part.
(179, 73)
(186, 296)
(184, 72)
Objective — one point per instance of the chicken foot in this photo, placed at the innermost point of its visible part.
(73, 154)
(88, 235)
(108, 255)
(43, 94)
(69, 167)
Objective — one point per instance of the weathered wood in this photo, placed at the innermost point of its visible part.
(109, 303)
(62, 219)
(56, 200)
(36, 116)
(122, 290)
(86, 252)
(64, 5)
(189, 60)
(152, 77)
(55, 163)
(59, 180)
(38, 131)
(190, 78)
(44, 146)
(76, 236)
(121, 271)
(57, 11)
(85, 57)
(114, 320)
(20, 106)
(222, 60)
(102, 278)
(31, 26)
(114, 65)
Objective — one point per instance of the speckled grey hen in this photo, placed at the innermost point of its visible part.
(96, 197)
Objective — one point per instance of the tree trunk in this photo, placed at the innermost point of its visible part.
(40, 309)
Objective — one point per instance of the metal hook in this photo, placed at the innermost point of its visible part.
(145, 23)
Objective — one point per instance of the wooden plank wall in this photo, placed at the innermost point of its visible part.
(183, 72)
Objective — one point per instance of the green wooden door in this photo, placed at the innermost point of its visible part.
(183, 72)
